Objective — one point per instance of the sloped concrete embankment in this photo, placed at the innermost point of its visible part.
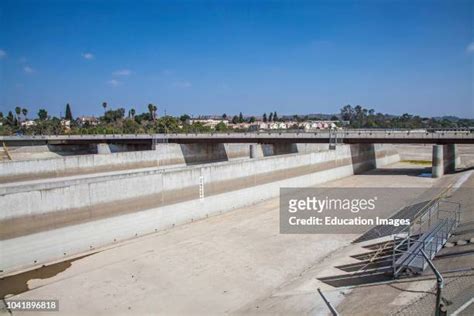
(164, 155)
(51, 220)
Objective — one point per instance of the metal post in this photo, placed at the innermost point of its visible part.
(331, 308)
(439, 283)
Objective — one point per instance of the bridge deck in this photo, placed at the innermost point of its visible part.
(323, 136)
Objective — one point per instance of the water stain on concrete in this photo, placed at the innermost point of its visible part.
(18, 283)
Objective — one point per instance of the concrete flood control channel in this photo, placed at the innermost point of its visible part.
(35, 215)
(233, 263)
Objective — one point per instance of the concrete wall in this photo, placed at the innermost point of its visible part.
(164, 155)
(49, 221)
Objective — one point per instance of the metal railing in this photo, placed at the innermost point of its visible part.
(432, 227)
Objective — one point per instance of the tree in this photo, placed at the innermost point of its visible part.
(114, 115)
(270, 118)
(132, 113)
(235, 119)
(42, 114)
(221, 127)
(347, 113)
(152, 109)
(18, 112)
(184, 118)
(241, 118)
(264, 117)
(10, 118)
(252, 119)
(224, 116)
(275, 116)
(68, 113)
(104, 105)
(24, 111)
(1, 115)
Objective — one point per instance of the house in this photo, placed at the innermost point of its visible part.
(66, 124)
(87, 120)
(208, 122)
(28, 123)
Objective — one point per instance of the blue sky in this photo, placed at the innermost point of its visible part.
(229, 56)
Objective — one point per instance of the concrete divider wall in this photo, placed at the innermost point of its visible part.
(86, 192)
(164, 155)
(57, 241)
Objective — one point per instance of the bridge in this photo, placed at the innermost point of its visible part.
(347, 136)
(444, 141)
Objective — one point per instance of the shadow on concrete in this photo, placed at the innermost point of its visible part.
(279, 149)
(203, 153)
(72, 150)
(415, 172)
(89, 149)
(460, 170)
(363, 157)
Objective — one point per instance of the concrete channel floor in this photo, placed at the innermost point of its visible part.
(234, 263)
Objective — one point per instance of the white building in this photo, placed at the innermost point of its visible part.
(28, 123)
(91, 120)
(208, 122)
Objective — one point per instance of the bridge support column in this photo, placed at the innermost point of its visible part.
(451, 158)
(103, 149)
(437, 169)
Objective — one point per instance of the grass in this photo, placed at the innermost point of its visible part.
(418, 162)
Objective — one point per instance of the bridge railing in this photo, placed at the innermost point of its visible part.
(459, 133)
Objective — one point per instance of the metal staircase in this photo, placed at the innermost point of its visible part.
(429, 233)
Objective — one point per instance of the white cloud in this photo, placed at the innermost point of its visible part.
(182, 84)
(470, 48)
(3, 54)
(122, 72)
(88, 56)
(28, 70)
(113, 83)
(22, 60)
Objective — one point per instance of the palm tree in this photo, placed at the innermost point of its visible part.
(132, 113)
(17, 111)
(104, 105)
(152, 109)
(24, 111)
